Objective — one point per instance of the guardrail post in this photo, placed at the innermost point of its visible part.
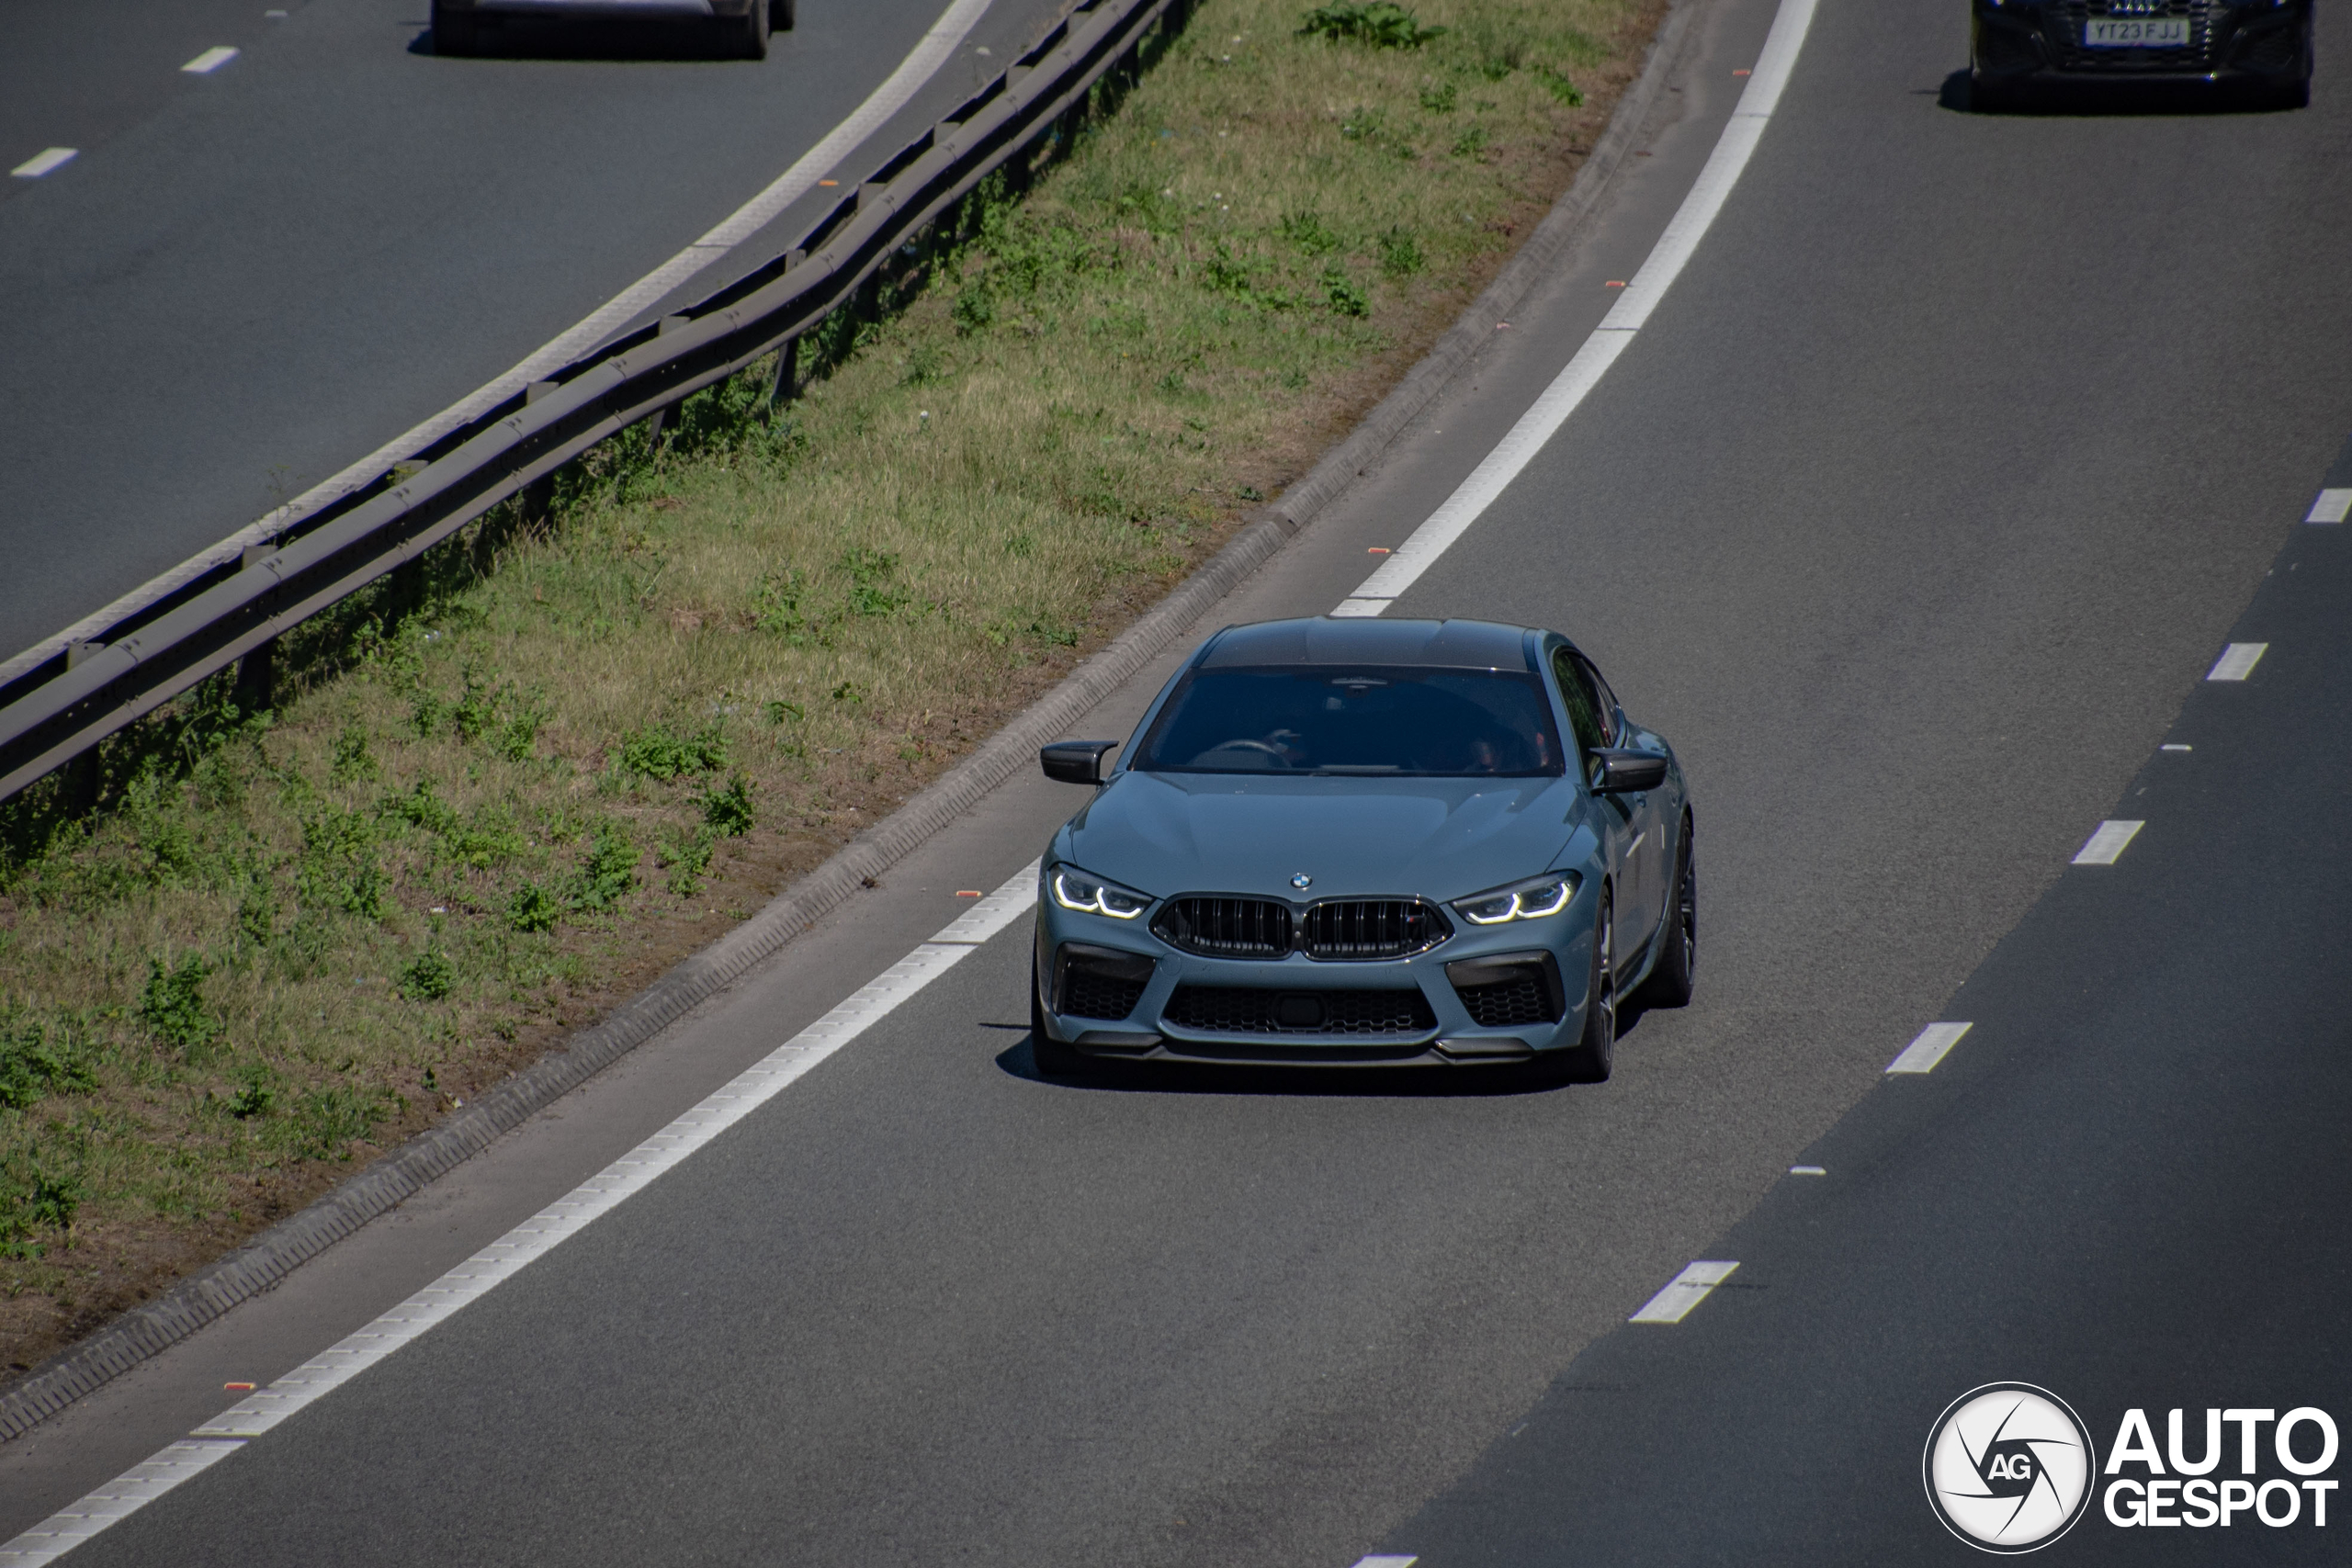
(256, 670)
(787, 385)
(82, 772)
(537, 496)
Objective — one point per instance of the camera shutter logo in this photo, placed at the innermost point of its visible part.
(2008, 1467)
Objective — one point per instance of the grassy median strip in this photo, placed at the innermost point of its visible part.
(497, 794)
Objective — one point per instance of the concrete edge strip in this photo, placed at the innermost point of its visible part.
(153, 1327)
(937, 45)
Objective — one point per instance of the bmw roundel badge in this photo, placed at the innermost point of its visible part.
(1302, 881)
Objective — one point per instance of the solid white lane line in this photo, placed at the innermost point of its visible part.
(1682, 1292)
(2237, 662)
(2333, 506)
(134, 1489)
(211, 60)
(2103, 846)
(538, 1236)
(43, 161)
(938, 45)
(1925, 1051)
(1808, 1170)
(1647, 286)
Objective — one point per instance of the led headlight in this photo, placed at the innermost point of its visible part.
(1074, 889)
(1529, 900)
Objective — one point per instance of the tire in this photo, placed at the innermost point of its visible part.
(455, 37)
(1055, 1058)
(749, 32)
(1676, 972)
(780, 16)
(1591, 1057)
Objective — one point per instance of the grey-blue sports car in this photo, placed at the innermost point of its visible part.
(1367, 842)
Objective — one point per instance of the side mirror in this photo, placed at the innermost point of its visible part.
(1075, 762)
(1627, 773)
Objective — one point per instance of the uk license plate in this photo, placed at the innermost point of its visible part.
(2136, 32)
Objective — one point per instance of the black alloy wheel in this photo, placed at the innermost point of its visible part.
(1591, 1057)
(1055, 1058)
(1676, 972)
(750, 31)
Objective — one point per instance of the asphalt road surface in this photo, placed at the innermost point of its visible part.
(1917, 517)
(248, 279)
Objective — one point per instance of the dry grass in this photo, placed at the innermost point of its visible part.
(492, 801)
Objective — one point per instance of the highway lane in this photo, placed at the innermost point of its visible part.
(250, 278)
(1912, 645)
(2126, 1184)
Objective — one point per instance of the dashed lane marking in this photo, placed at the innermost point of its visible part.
(2106, 846)
(41, 163)
(2176, 746)
(1682, 1292)
(1386, 1561)
(2333, 506)
(1627, 317)
(533, 1239)
(1925, 1051)
(211, 60)
(2237, 662)
(1808, 1170)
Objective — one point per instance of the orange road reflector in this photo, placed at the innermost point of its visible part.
(1614, 283)
(829, 182)
(236, 1388)
(1739, 73)
(1377, 551)
(967, 893)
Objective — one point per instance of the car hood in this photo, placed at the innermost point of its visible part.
(1170, 833)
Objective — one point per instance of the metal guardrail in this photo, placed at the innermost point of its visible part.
(63, 707)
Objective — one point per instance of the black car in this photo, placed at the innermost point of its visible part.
(2259, 48)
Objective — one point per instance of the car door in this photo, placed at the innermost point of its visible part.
(1653, 868)
(1642, 876)
(1594, 726)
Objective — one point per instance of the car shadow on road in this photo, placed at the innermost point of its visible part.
(2103, 99)
(1480, 1081)
(549, 38)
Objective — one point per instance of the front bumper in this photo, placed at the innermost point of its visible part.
(2027, 40)
(1113, 989)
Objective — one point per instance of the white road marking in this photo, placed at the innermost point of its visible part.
(938, 45)
(1647, 286)
(2176, 746)
(2105, 846)
(1682, 1292)
(43, 161)
(1389, 1561)
(2333, 506)
(211, 60)
(1924, 1051)
(536, 1236)
(126, 1494)
(2237, 662)
(1808, 1170)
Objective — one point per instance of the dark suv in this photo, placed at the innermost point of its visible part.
(2262, 48)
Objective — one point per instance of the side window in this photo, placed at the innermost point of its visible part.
(1607, 700)
(1576, 691)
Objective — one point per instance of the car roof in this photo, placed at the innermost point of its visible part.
(1322, 639)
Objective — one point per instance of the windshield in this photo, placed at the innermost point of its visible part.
(1327, 719)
